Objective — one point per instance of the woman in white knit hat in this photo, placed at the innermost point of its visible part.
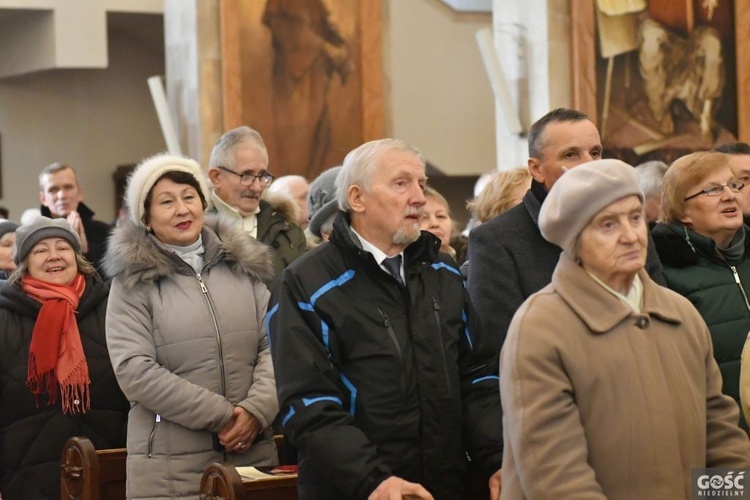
(186, 334)
(608, 382)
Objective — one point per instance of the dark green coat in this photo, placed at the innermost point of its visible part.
(277, 228)
(719, 292)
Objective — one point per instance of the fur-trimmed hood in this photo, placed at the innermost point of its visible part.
(136, 256)
(284, 205)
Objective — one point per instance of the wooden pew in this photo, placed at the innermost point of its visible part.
(90, 474)
(223, 482)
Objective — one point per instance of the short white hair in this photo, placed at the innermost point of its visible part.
(651, 177)
(360, 164)
(223, 153)
(282, 184)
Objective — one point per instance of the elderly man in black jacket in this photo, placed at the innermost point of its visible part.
(383, 385)
(508, 258)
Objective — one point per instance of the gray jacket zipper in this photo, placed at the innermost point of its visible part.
(151, 436)
(218, 335)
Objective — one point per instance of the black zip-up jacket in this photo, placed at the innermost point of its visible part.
(378, 379)
(33, 432)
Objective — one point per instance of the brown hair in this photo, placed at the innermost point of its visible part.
(84, 267)
(684, 176)
(178, 177)
(496, 197)
(430, 192)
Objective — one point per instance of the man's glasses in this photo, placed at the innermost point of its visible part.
(734, 186)
(247, 179)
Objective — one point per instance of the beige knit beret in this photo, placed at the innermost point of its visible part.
(580, 194)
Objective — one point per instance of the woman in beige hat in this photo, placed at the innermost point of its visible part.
(608, 381)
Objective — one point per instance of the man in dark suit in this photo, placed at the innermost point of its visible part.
(509, 259)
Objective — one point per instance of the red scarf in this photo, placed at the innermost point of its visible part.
(56, 357)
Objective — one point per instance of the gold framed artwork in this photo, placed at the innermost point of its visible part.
(307, 74)
(662, 78)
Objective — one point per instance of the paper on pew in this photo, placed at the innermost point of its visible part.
(253, 474)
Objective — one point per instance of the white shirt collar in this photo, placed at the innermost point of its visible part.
(377, 253)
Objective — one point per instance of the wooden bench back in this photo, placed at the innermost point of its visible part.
(222, 482)
(90, 474)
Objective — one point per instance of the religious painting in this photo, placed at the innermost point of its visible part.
(661, 78)
(304, 73)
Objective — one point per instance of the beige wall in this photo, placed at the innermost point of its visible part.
(437, 90)
(93, 119)
(437, 97)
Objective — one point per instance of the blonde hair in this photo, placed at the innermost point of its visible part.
(685, 175)
(497, 195)
(430, 192)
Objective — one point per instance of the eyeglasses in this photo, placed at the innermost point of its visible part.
(247, 179)
(734, 186)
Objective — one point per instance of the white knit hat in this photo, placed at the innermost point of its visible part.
(580, 194)
(149, 171)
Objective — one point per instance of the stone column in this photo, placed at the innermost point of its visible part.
(193, 82)
(532, 40)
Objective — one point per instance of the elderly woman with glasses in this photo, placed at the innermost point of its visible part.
(186, 334)
(704, 248)
(608, 382)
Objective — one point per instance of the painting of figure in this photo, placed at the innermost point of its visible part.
(302, 80)
(666, 76)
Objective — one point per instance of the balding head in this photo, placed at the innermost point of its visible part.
(296, 187)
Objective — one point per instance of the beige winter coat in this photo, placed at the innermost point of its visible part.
(600, 402)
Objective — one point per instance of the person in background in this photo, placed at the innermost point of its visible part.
(510, 260)
(238, 170)
(436, 218)
(186, 334)
(479, 185)
(739, 162)
(7, 243)
(384, 386)
(56, 380)
(504, 190)
(28, 216)
(608, 380)
(4, 213)
(321, 200)
(296, 187)
(651, 178)
(62, 197)
(704, 248)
